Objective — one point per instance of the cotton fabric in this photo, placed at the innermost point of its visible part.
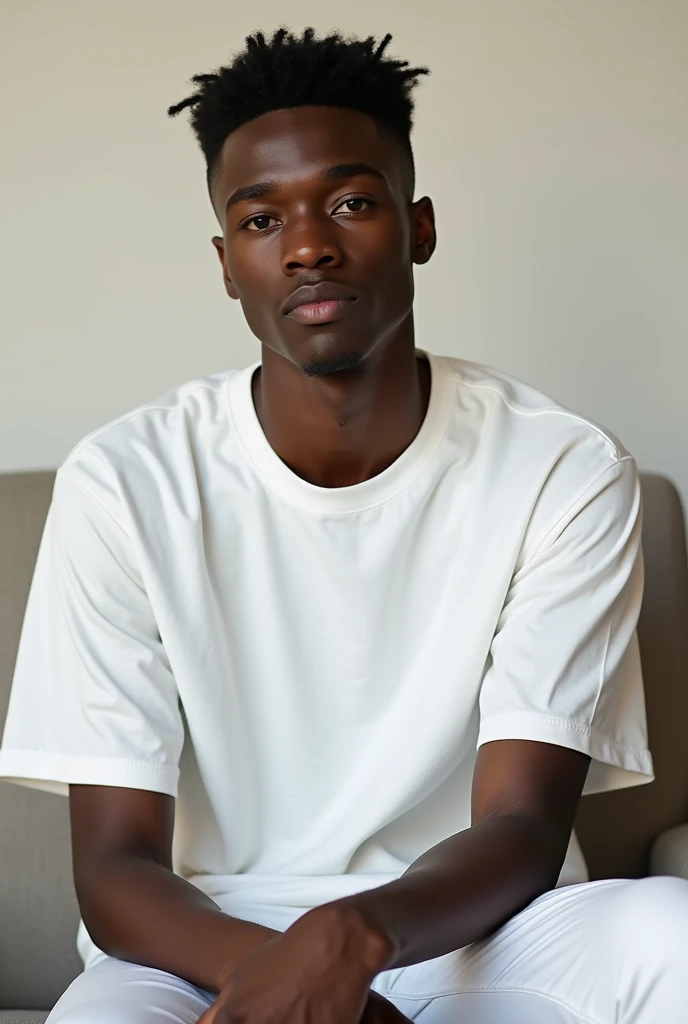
(310, 670)
(610, 952)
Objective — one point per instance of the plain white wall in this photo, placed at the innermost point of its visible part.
(552, 136)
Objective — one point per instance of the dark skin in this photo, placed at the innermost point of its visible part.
(339, 428)
(339, 400)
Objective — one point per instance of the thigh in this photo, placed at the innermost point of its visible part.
(594, 953)
(497, 1007)
(116, 992)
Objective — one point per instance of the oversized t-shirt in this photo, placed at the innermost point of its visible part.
(311, 670)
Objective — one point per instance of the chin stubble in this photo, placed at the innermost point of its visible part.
(338, 364)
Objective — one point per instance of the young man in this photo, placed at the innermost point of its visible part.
(368, 612)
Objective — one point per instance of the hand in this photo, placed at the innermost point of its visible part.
(320, 969)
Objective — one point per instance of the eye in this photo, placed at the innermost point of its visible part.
(355, 205)
(260, 222)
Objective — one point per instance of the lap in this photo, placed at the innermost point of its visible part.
(116, 992)
(568, 957)
(573, 956)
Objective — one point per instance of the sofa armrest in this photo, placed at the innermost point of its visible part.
(669, 854)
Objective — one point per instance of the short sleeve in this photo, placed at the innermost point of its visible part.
(93, 698)
(564, 664)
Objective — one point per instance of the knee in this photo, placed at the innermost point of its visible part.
(86, 1015)
(112, 1012)
(105, 1012)
(653, 920)
(117, 992)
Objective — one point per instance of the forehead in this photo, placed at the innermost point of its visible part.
(293, 143)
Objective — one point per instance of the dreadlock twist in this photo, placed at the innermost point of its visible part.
(288, 71)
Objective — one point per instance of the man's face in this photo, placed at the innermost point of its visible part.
(318, 196)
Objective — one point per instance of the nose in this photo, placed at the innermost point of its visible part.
(311, 243)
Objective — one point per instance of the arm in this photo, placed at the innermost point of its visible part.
(525, 796)
(137, 909)
(563, 687)
(133, 905)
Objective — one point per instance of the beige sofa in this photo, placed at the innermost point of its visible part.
(619, 831)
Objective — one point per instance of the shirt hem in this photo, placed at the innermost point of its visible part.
(618, 765)
(53, 773)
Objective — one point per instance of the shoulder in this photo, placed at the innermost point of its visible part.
(166, 439)
(160, 419)
(529, 410)
(539, 461)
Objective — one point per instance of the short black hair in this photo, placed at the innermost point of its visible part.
(289, 71)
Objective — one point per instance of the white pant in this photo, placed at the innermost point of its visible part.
(610, 952)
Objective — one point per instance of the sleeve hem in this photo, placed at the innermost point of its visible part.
(615, 765)
(55, 772)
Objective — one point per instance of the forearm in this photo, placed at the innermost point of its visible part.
(138, 910)
(463, 889)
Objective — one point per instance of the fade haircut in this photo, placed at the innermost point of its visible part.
(290, 71)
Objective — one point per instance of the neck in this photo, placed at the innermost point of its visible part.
(340, 429)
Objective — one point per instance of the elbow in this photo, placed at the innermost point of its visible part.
(547, 844)
(91, 895)
(538, 845)
(103, 892)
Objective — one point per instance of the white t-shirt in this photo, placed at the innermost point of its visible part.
(311, 670)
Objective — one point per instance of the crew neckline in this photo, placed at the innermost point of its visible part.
(355, 497)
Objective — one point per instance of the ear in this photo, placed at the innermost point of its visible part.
(423, 233)
(219, 244)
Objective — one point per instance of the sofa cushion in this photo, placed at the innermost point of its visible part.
(23, 1016)
(38, 910)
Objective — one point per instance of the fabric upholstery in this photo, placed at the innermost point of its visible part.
(670, 853)
(23, 1016)
(38, 909)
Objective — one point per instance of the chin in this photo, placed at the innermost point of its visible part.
(331, 356)
(333, 364)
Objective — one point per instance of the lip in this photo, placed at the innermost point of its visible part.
(319, 303)
(321, 312)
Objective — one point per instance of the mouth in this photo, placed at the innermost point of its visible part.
(319, 304)
(321, 312)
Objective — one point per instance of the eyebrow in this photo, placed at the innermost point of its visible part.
(335, 173)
